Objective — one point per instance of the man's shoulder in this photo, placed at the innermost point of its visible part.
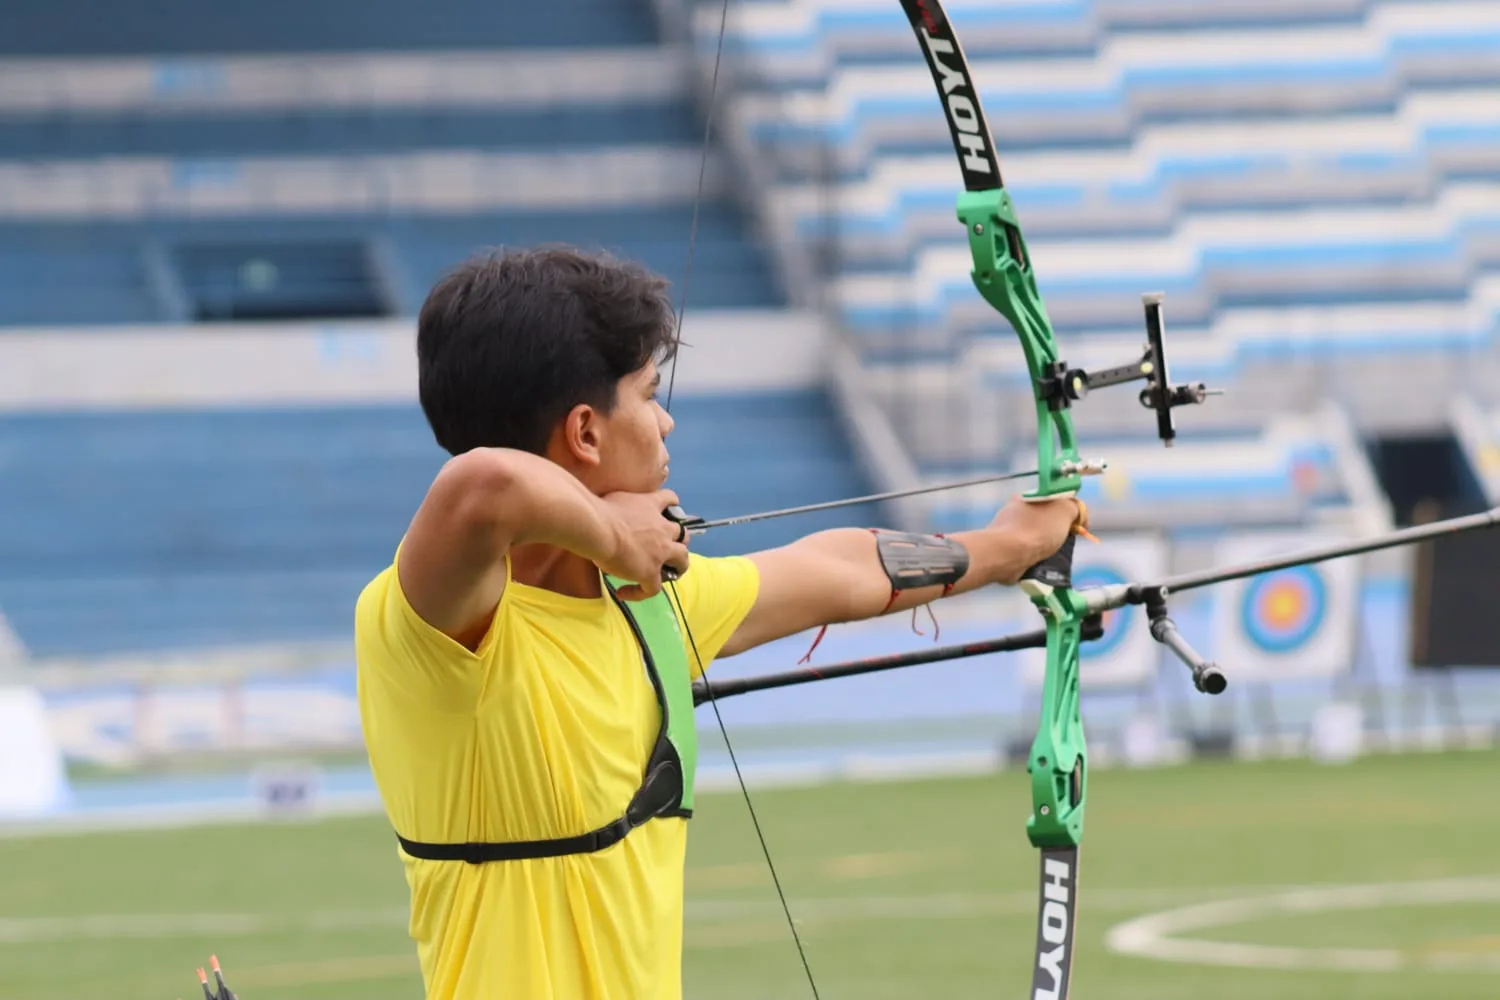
(374, 595)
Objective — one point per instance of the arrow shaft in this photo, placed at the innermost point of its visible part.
(809, 508)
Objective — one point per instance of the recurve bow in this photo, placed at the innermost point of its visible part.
(1002, 272)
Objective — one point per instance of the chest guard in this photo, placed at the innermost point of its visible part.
(666, 787)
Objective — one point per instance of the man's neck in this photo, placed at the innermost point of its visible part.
(551, 568)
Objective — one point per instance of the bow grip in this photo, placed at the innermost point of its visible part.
(1056, 571)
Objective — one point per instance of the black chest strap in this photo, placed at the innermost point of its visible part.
(659, 794)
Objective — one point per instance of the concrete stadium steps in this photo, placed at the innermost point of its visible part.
(1169, 171)
(790, 41)
(179, 27)
(313, 174)
(63, 134)
(1345, 254)
(450, 181)
(166, 271)
(55, 278)
(98, 615)
(1137, 79)
(1287, 470)
(141, 530)
(1331, 156)
(728, 270)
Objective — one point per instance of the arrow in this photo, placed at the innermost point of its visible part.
(697, 525)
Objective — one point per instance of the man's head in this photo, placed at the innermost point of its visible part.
(555, 352)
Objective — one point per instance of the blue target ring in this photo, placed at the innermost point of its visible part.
(1117, 623)
(1283, 610)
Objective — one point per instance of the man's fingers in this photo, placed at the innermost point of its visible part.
(638, 592)
(679, 559)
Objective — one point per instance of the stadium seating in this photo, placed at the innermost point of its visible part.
(1348, 254)
(177, 27)
(308, 161)
(355, 265)
(339, 131)
(787, 42)
(41, 273)
(1279, 168)
(338, 171)
(136, 531)
(1169, 169)
(1267, 163)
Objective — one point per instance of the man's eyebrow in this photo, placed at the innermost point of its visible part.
(656, 381)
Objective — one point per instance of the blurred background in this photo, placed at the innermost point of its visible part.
(218, 222)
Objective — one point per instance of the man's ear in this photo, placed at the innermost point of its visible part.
(580, 434)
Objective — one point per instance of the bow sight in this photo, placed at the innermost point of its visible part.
(1061, 385)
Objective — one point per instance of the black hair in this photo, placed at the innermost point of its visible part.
(509, 341)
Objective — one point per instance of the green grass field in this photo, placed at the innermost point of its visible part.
(921, 889)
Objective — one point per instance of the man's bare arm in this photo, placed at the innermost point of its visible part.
(486, 501)
(837, 576)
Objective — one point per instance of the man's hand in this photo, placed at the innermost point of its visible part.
(1037, 528)
(645, 541)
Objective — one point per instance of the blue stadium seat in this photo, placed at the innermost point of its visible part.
(273, 279)
(1277, 165)
(129, 531)
(181, 27)
(260, 267)
(62, 275)
(319, 131)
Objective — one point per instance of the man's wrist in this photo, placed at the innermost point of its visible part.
(608, 538)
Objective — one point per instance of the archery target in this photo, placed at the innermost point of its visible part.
(1283, 611)
(1295, 622)
(1126, 655)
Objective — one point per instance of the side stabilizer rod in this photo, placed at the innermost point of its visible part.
(703, 690)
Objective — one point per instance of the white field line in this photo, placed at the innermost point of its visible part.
(142, 926)
(849, 767)
(187, 814)
(1152, 935)
(712, 778)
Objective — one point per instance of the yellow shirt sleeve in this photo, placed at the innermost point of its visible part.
(413, 657)
(713, 597)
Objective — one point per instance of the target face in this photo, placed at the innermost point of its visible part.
(1284, 610)
(1117, 622)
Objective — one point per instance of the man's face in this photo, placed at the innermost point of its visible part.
(633, 450)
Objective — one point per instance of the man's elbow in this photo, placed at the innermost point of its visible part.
(475, 492)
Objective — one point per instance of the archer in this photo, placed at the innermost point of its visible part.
(538, 778)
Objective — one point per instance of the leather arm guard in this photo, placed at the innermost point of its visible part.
(912, 560)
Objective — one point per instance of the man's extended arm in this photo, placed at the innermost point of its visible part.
(838, 576)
